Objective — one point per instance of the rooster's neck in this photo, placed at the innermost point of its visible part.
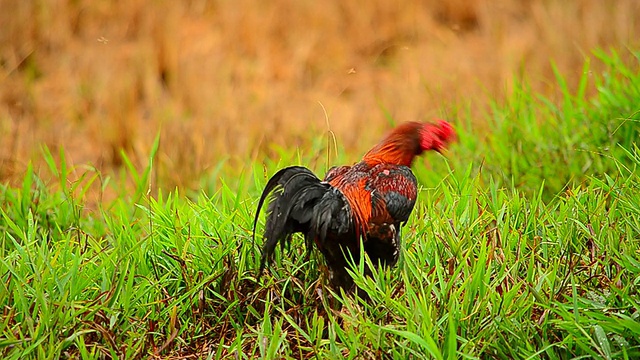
(388, 157)
(400, 152)
(400, 147)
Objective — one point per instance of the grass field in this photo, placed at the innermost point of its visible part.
(525, 243)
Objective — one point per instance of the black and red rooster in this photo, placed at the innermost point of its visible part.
(368, 202)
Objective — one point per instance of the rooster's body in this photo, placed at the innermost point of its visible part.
(365, 203)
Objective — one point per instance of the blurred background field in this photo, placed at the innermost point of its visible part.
(226, 80)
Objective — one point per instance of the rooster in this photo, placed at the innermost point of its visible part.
(365, 204)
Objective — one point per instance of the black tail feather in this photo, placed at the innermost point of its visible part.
(296, 190)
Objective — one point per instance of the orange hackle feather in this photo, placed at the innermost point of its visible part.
(359, 200)
(398, 148)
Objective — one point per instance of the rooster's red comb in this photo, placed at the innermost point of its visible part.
(437, 136)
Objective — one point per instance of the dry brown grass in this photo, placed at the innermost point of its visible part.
(225, 79)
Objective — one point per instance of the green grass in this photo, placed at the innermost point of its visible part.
(525, 243)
